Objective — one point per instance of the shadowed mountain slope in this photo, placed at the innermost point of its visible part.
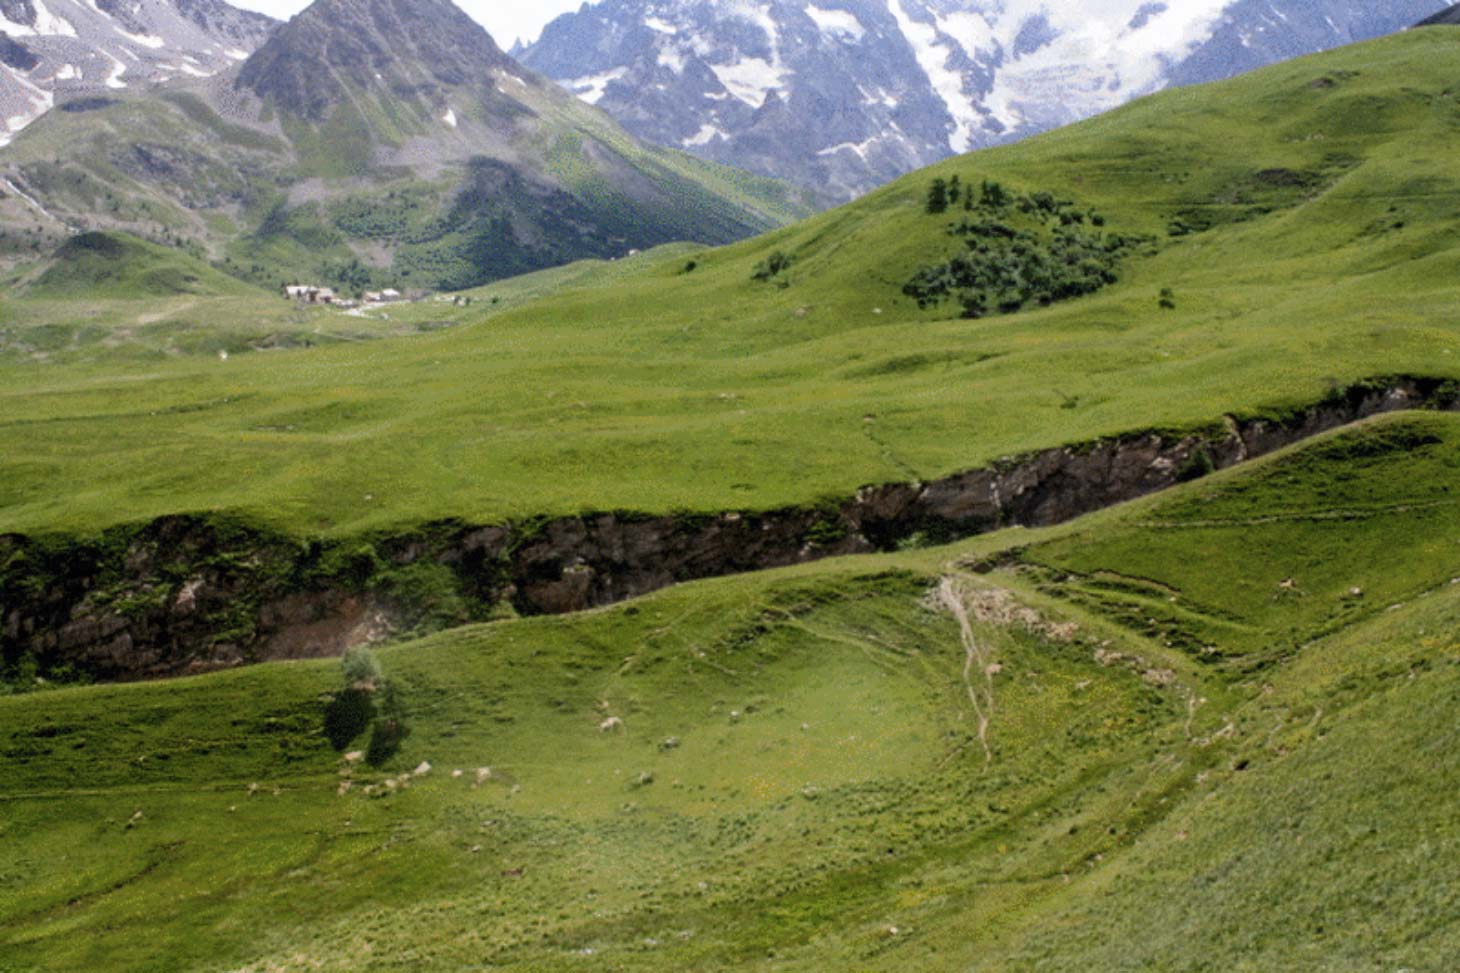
(1450, 16)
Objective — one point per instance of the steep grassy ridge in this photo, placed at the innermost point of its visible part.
(785, 771)
(1389, 511)
(1330, 256)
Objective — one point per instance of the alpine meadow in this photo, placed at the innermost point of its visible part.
(440, 531)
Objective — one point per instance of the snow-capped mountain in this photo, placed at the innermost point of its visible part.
(843, 95)
(54, 49)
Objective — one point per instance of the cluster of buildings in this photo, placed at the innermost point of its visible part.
(312, 294)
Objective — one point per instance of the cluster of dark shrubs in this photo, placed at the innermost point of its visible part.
(367, 702)
(1020, 249)
(771, 267)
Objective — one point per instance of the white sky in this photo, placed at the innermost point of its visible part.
(506, 20)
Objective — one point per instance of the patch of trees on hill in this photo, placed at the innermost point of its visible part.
(1020, 249)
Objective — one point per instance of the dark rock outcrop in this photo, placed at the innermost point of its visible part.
(16, 55)
(1449, 16)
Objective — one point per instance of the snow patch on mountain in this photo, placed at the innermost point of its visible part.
(750, 79)
(760, 15)
(932, 53)
(836, 23)
(591, 88)
(859, 149)
(46, 24)
(31, 100)
(145, 40)
(1091, 64)
(118, 70)
(970, 31)
(707, 134)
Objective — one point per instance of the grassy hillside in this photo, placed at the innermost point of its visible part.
(786, 771)
(117, 266)
(1299, 222)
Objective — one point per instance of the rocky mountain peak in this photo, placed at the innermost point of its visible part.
(221, 19)
(409, 48)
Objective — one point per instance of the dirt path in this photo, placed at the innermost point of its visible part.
(951, 596)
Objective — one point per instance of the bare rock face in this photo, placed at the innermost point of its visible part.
(584, 562)
(419, 49)
(189, 594)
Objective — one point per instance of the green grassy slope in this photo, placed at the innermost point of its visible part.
(798, 781)
(1330, 254)
(117, 266)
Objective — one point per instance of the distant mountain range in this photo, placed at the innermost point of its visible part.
(846, 94)
(392, 142)
(52, 49)
(369, 142)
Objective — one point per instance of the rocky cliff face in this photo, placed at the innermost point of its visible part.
(53, 50)
(191, 594)
(847, 94)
